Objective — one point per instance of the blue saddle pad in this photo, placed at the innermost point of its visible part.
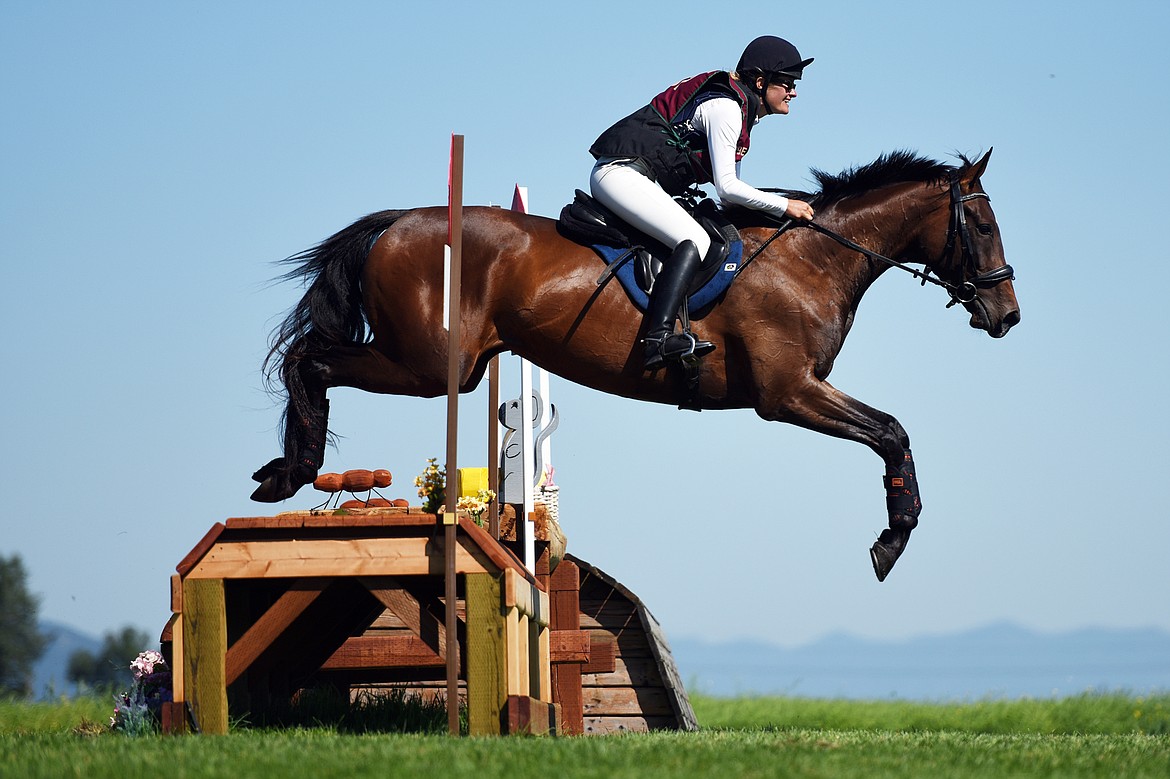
(699, 301)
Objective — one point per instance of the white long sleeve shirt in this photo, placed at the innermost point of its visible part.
(720, 119)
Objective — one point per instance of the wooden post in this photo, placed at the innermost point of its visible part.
(454, 351)
(487, 680)
(205, 653)
(493, 445)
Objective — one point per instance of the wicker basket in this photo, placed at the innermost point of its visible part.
(550, 497)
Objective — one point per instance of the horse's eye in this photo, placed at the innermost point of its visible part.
(985, 228)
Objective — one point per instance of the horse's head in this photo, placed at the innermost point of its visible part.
(970, 258)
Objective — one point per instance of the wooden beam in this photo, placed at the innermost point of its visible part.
(569, 646)
(271, 624)
(193, 557)
(401, 651)
(294, 559)
(525, 715)
(454, 377)
(486, 655)
(602, 655)
(204, 653)
(392, 594)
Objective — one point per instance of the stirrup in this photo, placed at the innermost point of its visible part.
(676, 347)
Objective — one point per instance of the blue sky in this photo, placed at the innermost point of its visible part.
(157, 159)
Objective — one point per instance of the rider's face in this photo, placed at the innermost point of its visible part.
(778, 95)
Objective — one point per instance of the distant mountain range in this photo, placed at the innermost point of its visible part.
(997, 661)
(49, 671)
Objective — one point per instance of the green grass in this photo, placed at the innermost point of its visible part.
(1087, 736)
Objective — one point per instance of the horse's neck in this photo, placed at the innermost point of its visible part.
(890, 227)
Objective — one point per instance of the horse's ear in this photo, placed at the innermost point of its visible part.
(975, 172)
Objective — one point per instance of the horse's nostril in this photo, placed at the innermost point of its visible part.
(1012, 319)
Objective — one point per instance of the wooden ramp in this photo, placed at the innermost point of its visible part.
(643, 691)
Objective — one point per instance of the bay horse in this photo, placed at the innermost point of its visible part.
(372, 314)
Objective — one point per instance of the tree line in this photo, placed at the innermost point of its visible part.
(22, 643)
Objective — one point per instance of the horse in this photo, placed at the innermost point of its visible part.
(372, 313)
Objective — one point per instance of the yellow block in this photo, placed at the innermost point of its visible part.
(472, 480)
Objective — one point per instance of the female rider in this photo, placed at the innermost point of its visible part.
(694, 132)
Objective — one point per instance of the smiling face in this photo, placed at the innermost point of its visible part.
(779, 93)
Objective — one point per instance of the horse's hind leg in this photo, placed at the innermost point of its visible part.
(306, 425)
(821, 407)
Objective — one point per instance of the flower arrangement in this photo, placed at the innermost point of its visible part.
(476, 504)
(137, 711)
(432, 486)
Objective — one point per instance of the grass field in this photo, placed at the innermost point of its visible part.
(1087, 736)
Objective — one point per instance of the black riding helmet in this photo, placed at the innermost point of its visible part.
(772, 56)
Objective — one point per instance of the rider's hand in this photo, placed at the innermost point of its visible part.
(798, 209)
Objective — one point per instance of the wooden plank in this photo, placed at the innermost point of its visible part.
(612, 617)
(672, 681)
(392, 594)
(632, 672)
(178, 659)
(566, 683)
(271, 624)
(528, 716)
(543, 662)
(388, 517)
(176, 594)
(204, 652)
(623, 701)
(193, 557)
(400, 651)
(569, 646)
(500, 556)
(609, 726)
(333, 557)
(173, 717)
(602, 655)
(486, 655)
(627, 643)
(517, 592)
(564, 586)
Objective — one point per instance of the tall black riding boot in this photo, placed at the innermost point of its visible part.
(671, 286)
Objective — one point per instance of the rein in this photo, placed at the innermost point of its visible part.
(967, 291)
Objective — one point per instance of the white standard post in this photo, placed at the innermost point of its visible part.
(545, 421)
(527, 464)
(528, 456)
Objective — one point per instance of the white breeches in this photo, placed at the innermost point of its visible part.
(624, 189)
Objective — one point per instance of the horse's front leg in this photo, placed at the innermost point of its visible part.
(819, 406)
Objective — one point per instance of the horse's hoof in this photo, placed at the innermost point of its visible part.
(883, 558)
(270, 469)
(275, 488)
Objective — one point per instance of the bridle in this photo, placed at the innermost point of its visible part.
(966, 291)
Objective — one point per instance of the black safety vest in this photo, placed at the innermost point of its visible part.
(664, 138)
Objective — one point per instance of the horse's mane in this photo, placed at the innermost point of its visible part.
(893, 168)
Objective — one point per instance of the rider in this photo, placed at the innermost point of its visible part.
(694, 132)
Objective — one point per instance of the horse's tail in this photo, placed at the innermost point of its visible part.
(329, 314)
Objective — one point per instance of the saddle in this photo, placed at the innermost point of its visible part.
(636, 259)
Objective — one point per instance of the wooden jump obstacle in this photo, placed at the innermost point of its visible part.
(264, 607)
